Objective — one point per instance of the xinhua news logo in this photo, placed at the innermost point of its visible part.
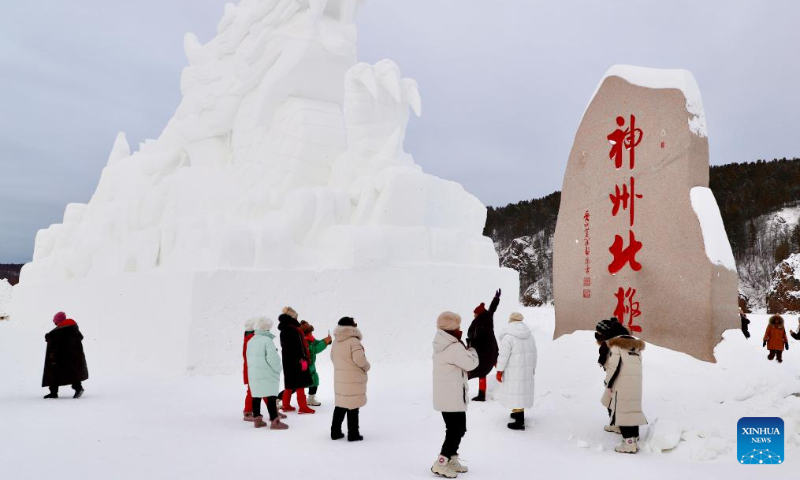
(760, 440)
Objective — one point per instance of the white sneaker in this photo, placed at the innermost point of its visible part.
(443, 468)
(612, 429)
(628, 445)
(456, 465)
(312, 401)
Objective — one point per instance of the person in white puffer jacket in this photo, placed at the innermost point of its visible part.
(516, 367)
(452, 360)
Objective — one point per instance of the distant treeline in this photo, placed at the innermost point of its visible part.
(744, 191)
(10, 271)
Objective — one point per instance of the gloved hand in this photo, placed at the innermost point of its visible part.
(765, 343)
(304, 365)
(500, 377)
(786, 345)
(498, 293)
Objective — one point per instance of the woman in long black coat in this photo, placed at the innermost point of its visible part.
(296, 358)
(65, 362)
(480, 336)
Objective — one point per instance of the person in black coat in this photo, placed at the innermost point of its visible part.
(745, 323)
(480, 336)
(296, 357)
(64, 362)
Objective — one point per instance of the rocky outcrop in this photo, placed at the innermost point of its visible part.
(532, 257)
(783, 295)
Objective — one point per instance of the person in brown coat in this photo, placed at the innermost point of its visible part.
(350, 367)
(775, 338)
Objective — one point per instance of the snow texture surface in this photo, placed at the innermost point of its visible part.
(682, 80)
(5, 297)
(164, 426)
(718, 248)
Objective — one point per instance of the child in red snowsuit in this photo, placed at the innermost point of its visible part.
(775, 338)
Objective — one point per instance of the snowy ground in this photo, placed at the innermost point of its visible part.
(190, 427)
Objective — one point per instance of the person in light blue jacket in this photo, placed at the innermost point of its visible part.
(264, 374)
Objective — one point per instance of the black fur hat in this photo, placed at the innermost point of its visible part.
(347, 322)
(610, 328)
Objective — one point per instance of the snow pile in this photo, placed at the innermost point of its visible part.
(718, 248)
(681, 79)
(284, 153)
(5, 298)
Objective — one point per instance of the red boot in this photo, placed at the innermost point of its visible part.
(301, 400)
(287, 398)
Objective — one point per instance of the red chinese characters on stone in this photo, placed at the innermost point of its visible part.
(626, 255)
(624, 199)
(628, 138)
(629, 308)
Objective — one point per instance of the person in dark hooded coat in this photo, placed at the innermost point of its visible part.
(480, 336)
(65, 362)
(296, 360)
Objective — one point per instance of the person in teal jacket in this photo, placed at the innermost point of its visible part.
(264, 374)
(314, 347)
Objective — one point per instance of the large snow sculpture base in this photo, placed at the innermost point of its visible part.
(155, 311)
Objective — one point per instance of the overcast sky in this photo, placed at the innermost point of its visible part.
(503, 83)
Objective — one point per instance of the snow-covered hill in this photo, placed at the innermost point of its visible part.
(757, 267)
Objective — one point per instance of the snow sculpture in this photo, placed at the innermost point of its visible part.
(639, 235)
(261, 167)
(284, 154)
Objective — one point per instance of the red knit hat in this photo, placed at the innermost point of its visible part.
(480, 309)
(60, 317)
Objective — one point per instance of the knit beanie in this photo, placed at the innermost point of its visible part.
(448, 321)
(610, 328)
(263, 323)
(289, 311)
(347, 322)
(60, 317)
(516, 317)
(306, 327)
(250, 324)
(480, 309)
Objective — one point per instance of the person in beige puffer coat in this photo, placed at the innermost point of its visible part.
(350, 367)
(452, 360)
(623, 394)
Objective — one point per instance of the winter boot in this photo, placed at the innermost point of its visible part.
(303, 405)
(312, 401)
(456, 466)
(286, 404)
(51, 395)
(278, 425)
(443, 468)
(336, 423)
(352, 426)
(628, 445)
(519, 421)
(612, 429)
(481, 396)
(78, 393)
(259, 422)
(247, 416)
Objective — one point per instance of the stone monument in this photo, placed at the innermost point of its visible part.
(639, 234)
